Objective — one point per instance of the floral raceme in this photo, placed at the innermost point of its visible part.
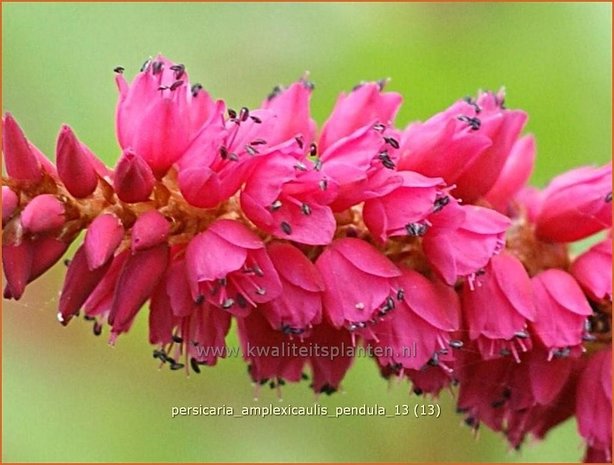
(423, 245)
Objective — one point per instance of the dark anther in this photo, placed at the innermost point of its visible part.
(255, 119)
(258, 142)
(473, 122)
(67, 262)
(401, 294)
(456, 344)
(156, 67)
(233, 156)
(381, 83)
(416, 229)
(327, 389)
(313, 149)
(318, 164)
(392, 142)
(258, 271)
(309, 85)
(305, 209)
(505, 352)
(563, 352)
(228, 303)
(162, 87)
(263, 381)
(222, 282)
(146, 65)
(223, 152)
(521, 334)
(358, 86)
(304, 376)
(177, 339)
(379, 127)
(323, 184)
(276, 205)
(299, 165)
(497, 404)
(243, 114)
(179, 70)
(289, 330)
(441, 202)
(176, 366)
(118, 69)
(196, 88)
(285, 227)
(261, 291)
(89, 318)
(386, 161)
(418, 391)
(608, 197)
(299, 140)
(434, 361)
(175, 85)
(232, 114)
(241, 301)
(472, 102)
(275, 92)
(159, 353)
(480, 272)
(97, 329)
(272, 384)
(195, 365)
(251, 150)
(470, 421)
(199, 299)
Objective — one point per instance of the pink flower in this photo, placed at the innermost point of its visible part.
(365, 106)
(282, 197)
(404, 208)
(593, 271)
(576, 205)
(515, 173)
(149, 230)
(20, 156)
(561, 314)
(44, 213)
(102, 238)
(360, 283)
(462, 239)
(418, 330)
(299, 306)
(594, 403)
(469, 137)
(228, 265)
(133, 180)
(498, 307)
(159, 114)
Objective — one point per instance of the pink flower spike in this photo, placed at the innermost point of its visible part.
(593, 271)
(299, 306)
(364, 106)
(102, 238)
(10, 202)
(360, 283)
(74, 167)
(17, 266)
(562, 310)
(43, 213)
(576, 205)
(21, 161)
(134, 180)
(514, 174)
(79, 283)
(594, 403)
(137, 281)
(149, 230)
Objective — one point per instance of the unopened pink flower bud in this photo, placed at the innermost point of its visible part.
(102, 238)
(134, 180)
(74, 166)
(150, 229)
(44, 213)
(17, 265)
(21, 161)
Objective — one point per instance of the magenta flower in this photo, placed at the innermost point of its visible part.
(576, 204)
(594, 404)
(462, 239)
(593, 271)
(469, 137)
(133, 179)
(498, 307)
(159, 114)
(561, 314)
(228, 265)
(360, 283)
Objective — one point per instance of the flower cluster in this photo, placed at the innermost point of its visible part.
(359, 233)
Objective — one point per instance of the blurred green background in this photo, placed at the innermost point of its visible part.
(69, 397)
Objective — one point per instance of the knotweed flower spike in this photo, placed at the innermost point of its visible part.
(423, 245)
